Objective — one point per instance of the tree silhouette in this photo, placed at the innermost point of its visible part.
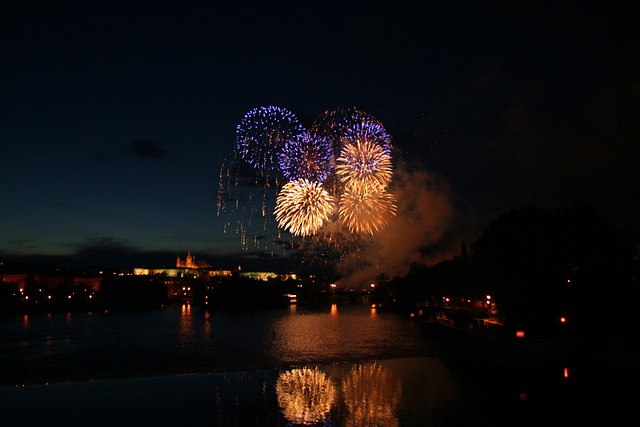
(543, 264)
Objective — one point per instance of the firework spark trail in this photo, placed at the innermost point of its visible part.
(250, 178)
(334, 123)
(302, 207)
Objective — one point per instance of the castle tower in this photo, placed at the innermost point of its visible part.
(190, 262)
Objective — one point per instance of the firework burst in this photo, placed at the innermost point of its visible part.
(342, 126)
(250, 177)
(334, 123)
(302, 207)
(366, 209)
(307, 155)
(368, 129)
(365, 163)
(262, 133)
(320, 191)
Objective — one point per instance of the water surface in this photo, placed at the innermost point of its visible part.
(339, 365)
(45, 348)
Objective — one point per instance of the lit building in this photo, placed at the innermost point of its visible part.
(190, 268)
(266, 275)
(182, 272)
(185, 268)
(190, 262)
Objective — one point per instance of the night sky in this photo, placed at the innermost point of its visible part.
(115, 116)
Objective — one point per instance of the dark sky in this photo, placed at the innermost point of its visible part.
(115, 116)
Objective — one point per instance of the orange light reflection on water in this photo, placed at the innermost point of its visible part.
(305, 395)
(371, 395)
(186, 325)
(207, 330)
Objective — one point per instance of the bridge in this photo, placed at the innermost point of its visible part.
(352, 294)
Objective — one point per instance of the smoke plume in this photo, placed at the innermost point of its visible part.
(425, 211)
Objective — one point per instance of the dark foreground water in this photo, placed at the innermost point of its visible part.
(339, 366)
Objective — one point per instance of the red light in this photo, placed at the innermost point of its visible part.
(519, 334)
(563, 319)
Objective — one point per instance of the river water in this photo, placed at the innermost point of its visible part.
(336, 365)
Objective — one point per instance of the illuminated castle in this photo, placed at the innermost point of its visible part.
(190, 262)
(185, 269)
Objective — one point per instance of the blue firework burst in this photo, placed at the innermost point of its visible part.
(263, 132)
(370, 130)
(307, 155)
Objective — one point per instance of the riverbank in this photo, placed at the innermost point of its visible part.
(613, 363)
